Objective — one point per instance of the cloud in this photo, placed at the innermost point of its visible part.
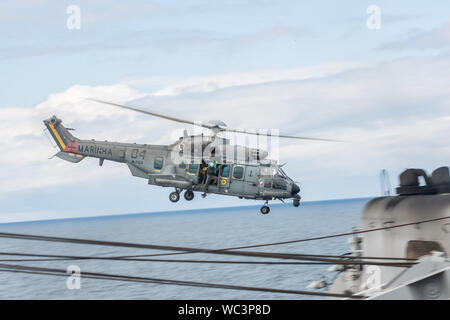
(158, 39)
(172, 86)
(25, 149)
(417, 39)
(395, 115)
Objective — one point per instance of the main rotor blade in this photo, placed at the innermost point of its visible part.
(211, 127)
(281, 135)
(153, 113)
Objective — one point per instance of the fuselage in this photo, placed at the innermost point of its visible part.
(162, 165)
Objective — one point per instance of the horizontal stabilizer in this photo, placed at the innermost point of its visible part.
(71, 157)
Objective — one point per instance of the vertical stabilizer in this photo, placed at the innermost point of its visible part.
(60, 134)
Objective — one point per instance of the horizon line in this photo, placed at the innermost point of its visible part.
(174, 211)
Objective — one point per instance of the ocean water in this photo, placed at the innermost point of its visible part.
(212, 229)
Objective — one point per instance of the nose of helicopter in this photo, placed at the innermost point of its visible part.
(295, 189)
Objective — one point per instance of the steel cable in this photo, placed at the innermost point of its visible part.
(213, 251)
(183, 249)
(65, 258)
(106, 276)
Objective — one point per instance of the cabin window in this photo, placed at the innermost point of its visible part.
(238, 172)
(158, 164)
(182, 165)
(225, 170)
(193, 168)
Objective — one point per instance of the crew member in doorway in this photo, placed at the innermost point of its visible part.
(210, 176)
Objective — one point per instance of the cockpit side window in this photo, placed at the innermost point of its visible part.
(266, 176)
(279, 183)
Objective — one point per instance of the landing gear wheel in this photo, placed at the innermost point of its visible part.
(296, 202)
(189, 195)
(174, 196)
(265, 209)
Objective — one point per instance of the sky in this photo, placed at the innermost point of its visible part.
(316, 68)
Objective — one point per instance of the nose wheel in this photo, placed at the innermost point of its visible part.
(296, 202)
(265, 209)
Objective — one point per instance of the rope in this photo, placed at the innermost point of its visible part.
(106, 276)
(64, 258)
(336, 235)
(315, 238)
(183, 249)
(226, 251)
(212, 251)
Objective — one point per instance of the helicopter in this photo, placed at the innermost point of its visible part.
(239, 171)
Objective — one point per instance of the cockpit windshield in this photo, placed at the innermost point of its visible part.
(282, 173)
(273, 171)
(274, 177)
